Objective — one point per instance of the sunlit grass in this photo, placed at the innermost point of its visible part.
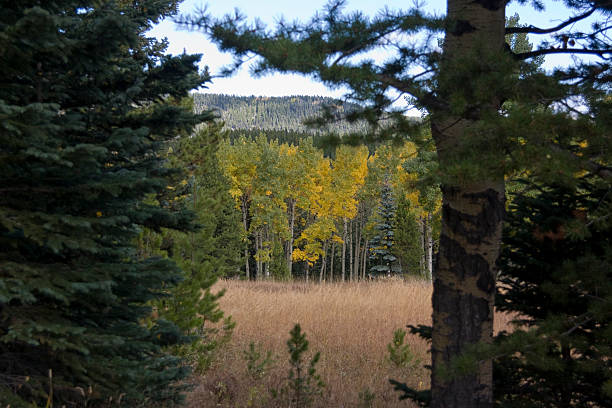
(350, 324)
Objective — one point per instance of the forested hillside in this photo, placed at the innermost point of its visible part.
(285, 113)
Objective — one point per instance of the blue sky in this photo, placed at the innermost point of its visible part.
(270, 11)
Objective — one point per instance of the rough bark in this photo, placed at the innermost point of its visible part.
(472, 210)
(464, 287)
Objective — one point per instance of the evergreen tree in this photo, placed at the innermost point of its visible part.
(464, 85)
(85, 105)
(556, 275)
(213, 251)
(408, 246)
(381, 245)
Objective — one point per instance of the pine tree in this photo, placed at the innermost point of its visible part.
(556, 275)
(408, 240)
(85, 105)
(213, 251)
(479, 136)
(381, 245)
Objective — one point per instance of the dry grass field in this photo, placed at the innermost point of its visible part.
(350, 324)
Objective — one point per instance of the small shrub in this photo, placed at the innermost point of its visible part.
(399, 353)
(366, 398)
(304, 384)
(203, 350)
(258, 364)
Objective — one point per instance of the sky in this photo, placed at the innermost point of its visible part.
(270, 11)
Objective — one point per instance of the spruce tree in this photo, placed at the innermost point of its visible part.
(85, 105)
(556, 276)
(381, 245)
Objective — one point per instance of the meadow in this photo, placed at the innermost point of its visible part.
(350, 324)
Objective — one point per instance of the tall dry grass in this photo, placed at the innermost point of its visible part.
(350, 324)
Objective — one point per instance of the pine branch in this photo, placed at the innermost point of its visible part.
(548, 51)
(602, 171)
(536, 30)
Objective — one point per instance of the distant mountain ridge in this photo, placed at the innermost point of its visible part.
(284, 113)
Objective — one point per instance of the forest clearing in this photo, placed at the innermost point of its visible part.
(351, 324)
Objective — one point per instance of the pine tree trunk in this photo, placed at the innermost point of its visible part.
(472, 211)
(343, 260)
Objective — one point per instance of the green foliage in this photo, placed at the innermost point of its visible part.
(381, 245)
(366, 399)
(408, 243)
(400, 353)
(303, 383)
(556, 274)
(258, 364)
(204, 255)
(278, 267)
(87, 102)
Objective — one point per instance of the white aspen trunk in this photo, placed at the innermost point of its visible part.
(289, 247)
(259, 262)
(244, 209)
(364, 258)
(423, 261)
(267, 267)
(358, 226)
(350, 245)
(323, 261)
(343, 260)
(331, 261)
(429, 255)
